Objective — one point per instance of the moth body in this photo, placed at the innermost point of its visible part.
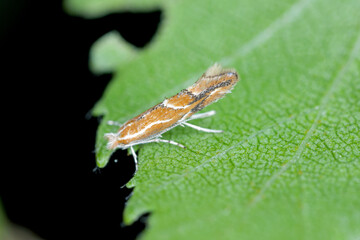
(177, 110)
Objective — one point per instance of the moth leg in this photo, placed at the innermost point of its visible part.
(114, 123)
(163, 140)
(202, 129)
(150, 141)
(135, 158)
(169, 141)
(202, 115)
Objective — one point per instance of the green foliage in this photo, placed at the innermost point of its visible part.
(110, 51)
(288, 163)
(2, 222)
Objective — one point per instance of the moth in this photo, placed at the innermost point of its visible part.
(148, 127)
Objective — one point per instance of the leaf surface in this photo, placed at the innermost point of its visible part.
(288, 163)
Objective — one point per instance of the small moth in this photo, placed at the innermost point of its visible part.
(177, 110)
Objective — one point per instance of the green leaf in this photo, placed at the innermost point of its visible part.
(10, 231)
(110, 52)
(3, 222)
(98, 8)
(288, 163)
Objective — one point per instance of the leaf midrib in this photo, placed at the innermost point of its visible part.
(309, 134)
(289, 16)
(321, 110)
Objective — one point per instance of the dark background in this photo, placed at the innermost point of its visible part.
(47, 181)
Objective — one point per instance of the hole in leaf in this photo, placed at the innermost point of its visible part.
(133, 230)
(120, 167)
(118, 172)
(136, 28)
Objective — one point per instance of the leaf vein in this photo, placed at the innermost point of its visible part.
(321, 112)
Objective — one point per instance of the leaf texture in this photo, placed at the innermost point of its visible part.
(288, 163)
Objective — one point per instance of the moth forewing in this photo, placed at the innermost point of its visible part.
(177, 110)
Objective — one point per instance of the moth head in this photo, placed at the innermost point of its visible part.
(112, 141)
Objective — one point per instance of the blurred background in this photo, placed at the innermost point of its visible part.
(47, 183)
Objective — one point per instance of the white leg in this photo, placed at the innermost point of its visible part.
(169, 141)
(202, 129)
(135, 158)
(149, 141)
(162, 140)
(202, 115)
(114, 123)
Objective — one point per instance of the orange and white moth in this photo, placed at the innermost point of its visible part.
(177, 110)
